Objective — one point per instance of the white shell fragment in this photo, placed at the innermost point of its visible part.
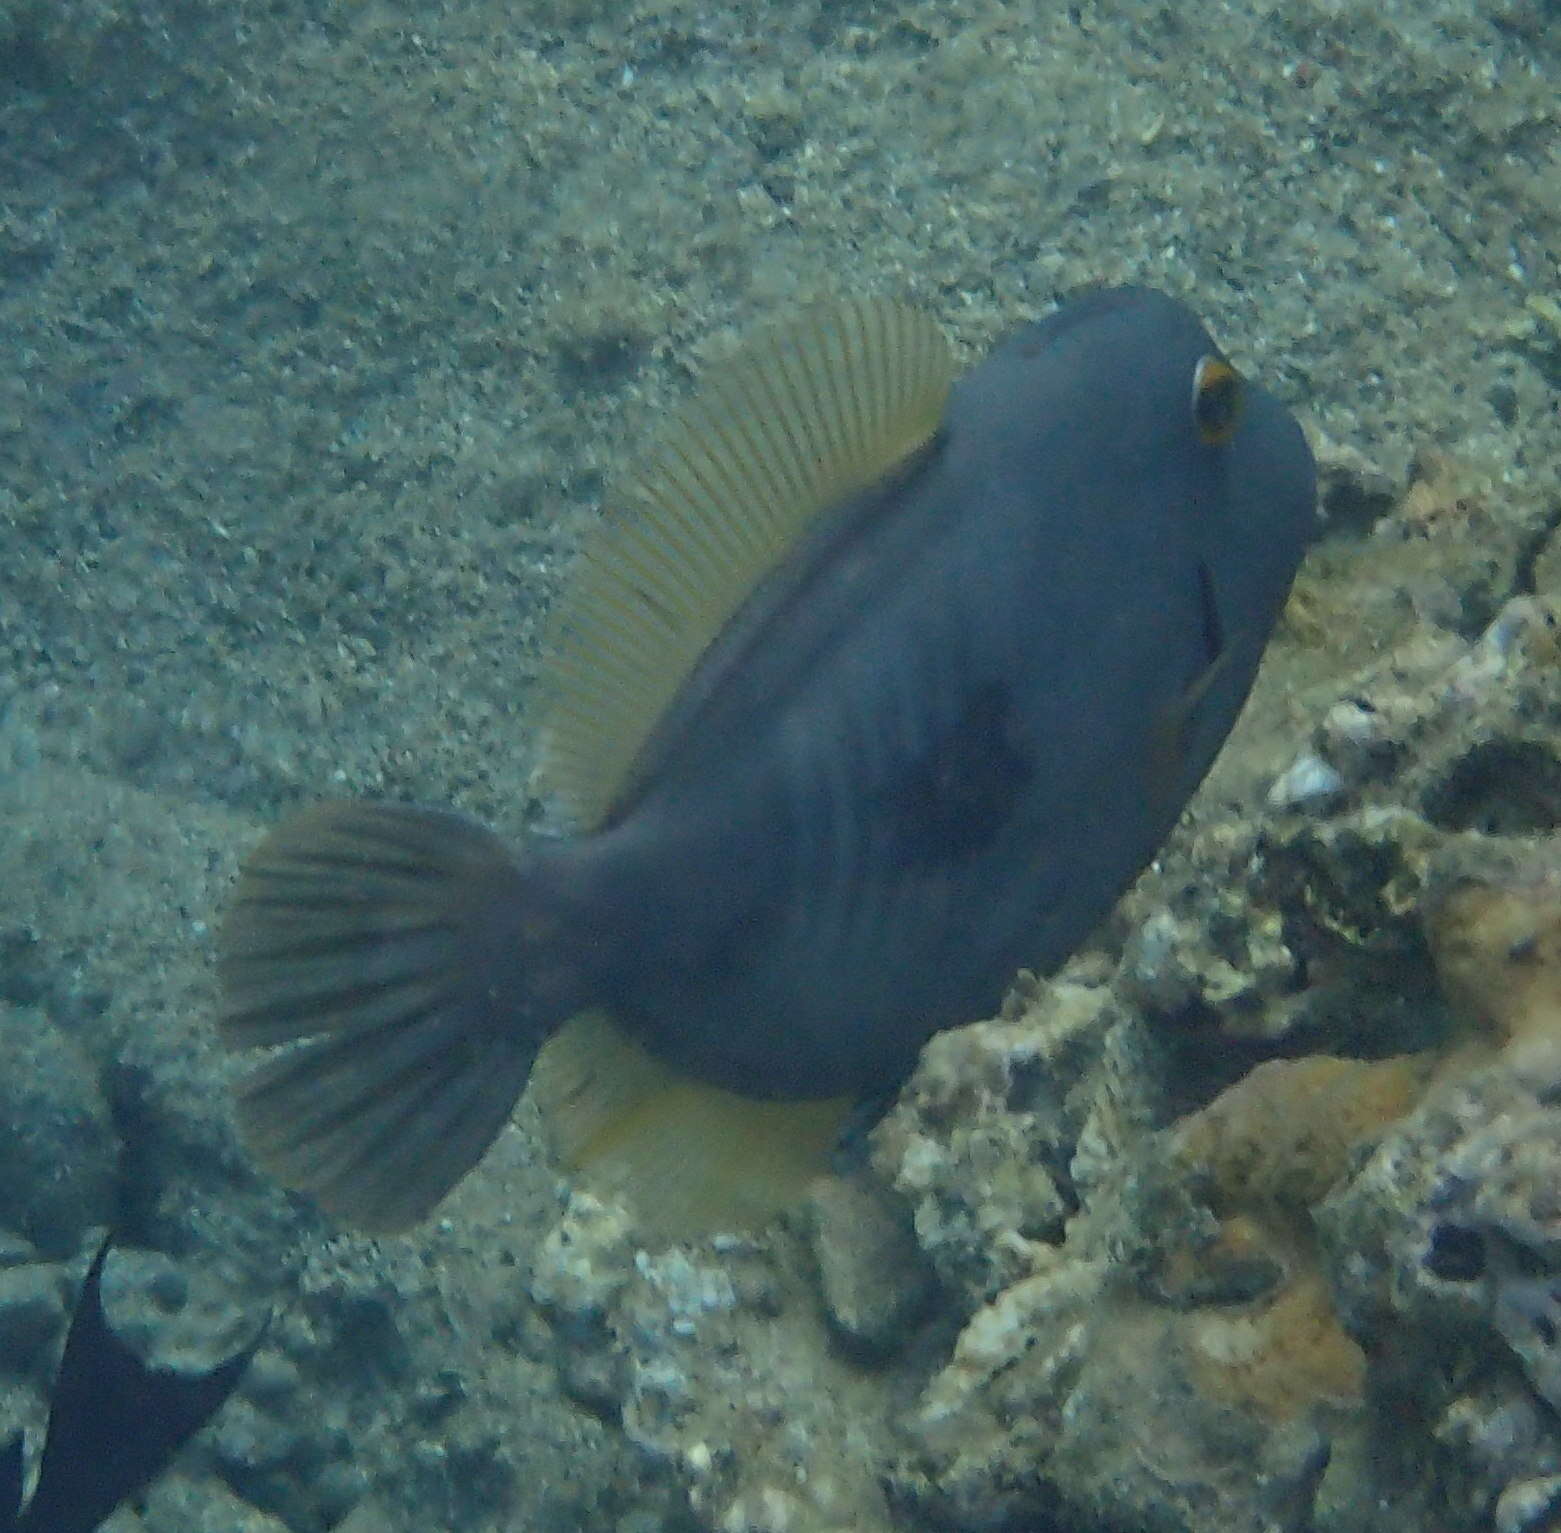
(1309, 783)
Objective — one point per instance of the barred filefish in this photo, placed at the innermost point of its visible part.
(876, 685)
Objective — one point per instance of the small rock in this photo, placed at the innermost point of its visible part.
(1355, 736)
(872, 1275)
(1309, 783)
(1529, 1506)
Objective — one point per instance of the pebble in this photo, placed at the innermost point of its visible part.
(1309, 783)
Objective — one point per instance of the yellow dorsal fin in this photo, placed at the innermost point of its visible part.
(687, 1158)
(796, 422)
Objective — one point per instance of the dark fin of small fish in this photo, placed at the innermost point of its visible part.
(115, 1421)
(381, 952)
(687, 1158)
(794, 424)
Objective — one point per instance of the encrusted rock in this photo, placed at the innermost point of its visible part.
(1280, 1139)
(982, 1137)
(32, 1315)
(581, 1268)
(1494, 919)
(1445, 1247)
(57, 1140)
(1530, 1506)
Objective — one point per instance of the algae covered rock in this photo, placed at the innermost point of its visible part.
(713, 1362)
(57, 1139)
(1437, 1251)
(1301, 926)
(982, 1140)
(1445, 1248)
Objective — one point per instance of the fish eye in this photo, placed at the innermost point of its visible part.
(1216, 400)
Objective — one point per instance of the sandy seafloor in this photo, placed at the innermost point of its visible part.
(323, 327)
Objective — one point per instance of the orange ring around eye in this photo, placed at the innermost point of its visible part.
(1216, 400)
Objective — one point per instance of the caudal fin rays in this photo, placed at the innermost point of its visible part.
(366, 952)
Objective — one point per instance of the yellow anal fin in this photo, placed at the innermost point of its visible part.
(687, 1158)
(800, 420)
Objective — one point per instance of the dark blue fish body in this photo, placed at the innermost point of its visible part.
(893, 750)
(937, 755)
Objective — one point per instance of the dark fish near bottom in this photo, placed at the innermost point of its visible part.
(115, 1423)
(881, 685)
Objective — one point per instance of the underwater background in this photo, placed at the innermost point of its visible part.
(325, 327)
